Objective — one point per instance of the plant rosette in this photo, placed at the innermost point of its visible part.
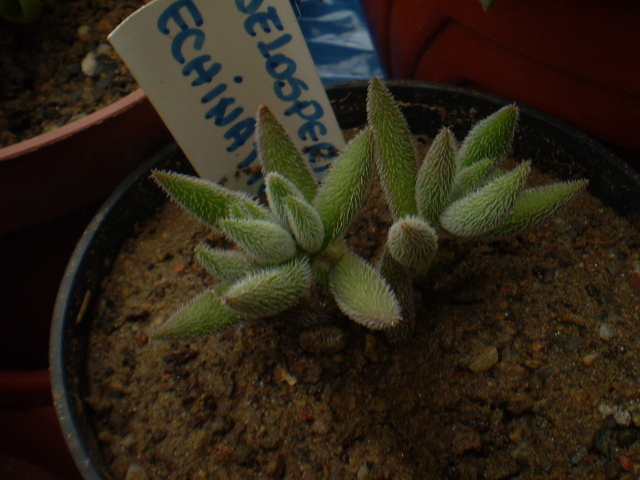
(273, 254)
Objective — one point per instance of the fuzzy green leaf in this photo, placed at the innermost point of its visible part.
(413, 243)
(278, 153)
(470, 178)
(490, 137)
(249, 210)
(227, 265)
(305, 224)
(207, 201)
(483, 210)
(203, 315)
(20, 11)
(271, 290)
(363, 294)
(395, 156)
(487, 4)
(264, 241)
(436, 176)
(278, 189)
(344, 191)
(536, 205)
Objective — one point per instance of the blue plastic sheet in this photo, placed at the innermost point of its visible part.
(338, 39)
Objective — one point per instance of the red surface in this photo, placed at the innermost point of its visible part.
(32, 446)
(31, 443)
(578, 60)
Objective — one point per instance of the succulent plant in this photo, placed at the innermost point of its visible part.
(455, 189)
(286, 247)
(289, 247)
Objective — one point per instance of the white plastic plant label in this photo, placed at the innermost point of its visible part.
(207, 65)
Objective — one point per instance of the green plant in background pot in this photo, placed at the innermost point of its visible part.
(297, 241)
(21, 11)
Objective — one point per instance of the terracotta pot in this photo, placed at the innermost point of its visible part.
(76, 165)
(574, 59)
(31, 443)
(32, 446)
(50, 187)
(568, 152)
(16, 469)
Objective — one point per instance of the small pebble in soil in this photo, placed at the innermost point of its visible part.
(136, 472)
(363, 472)
(465, 440)
(523, 453)
(484, 360)
(621, 415)
(605, 331)
(634, 410)
(84, 33)
(591, 358)
(282, 375)
(89, 64)
(104, 49)
(321, 426)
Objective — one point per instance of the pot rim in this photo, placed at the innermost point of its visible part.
(341, 92)
(78, 164)
(17, 150)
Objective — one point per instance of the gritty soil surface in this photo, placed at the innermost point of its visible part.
(48, 77)
(524, 364)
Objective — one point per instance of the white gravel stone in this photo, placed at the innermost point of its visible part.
(89, 65)
(605, 331)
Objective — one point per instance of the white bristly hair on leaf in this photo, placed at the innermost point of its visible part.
(436, 176)
(224, 264)
(481, 211)
(395, 156)
(271, 290)
(265, 241)
(491, 137)
(203, 315)
(278, 153)
(278, 188)
(209, 202)
(470, 178)
(536, 205)
(363, 294)
(413, 243)
(305, 224)
(344, 190)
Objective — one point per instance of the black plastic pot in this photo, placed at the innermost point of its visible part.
(551, 144)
